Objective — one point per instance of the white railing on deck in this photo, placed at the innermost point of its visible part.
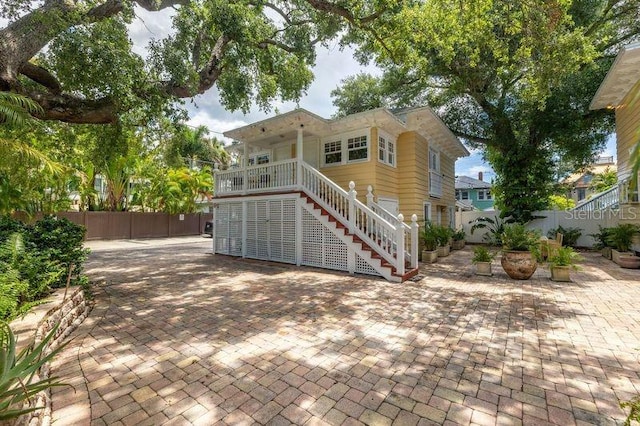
(262, 177)
(387, 239)
(601, 201)
(409, 237)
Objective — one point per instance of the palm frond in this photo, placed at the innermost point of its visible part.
(16, 109)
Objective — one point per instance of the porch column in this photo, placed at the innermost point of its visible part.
(299, 157)
(245, 164)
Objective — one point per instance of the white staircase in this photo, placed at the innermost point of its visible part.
(603, 200)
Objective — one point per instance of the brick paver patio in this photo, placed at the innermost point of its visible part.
(180, 336)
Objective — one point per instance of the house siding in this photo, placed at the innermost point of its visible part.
(627, 125)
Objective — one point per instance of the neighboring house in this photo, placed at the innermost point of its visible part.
(291, 199)
(620, 90)
(579, 183)
(474, 192)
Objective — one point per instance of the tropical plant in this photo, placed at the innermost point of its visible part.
(565, 256)
(517, 237)
(19, 381)
(603, 181)
(16, 109)
(494, 226)
(459, 235)
(570, 236)
(561, 202)
(443, 234)
(621, 237)
(429, 236)
(601, 237)
(481, 254)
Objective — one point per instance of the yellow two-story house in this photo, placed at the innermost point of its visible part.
(346, 193)
(620, 91)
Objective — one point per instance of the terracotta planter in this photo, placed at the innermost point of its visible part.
(628, 261)
(443, 251)
(519, 265)
(606, 252)
(483, 268)
(429, 256)
(457, 244)
(561, 273)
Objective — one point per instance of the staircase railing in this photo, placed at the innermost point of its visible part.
(387, 239)
(409, 235)
(601, 201)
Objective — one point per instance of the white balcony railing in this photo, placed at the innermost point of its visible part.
(606, 199)
(276, 176)
(435, 183)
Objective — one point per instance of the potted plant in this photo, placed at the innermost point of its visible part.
(602, 241)
(493, 226)
(457, 239)
(520, 251)
(561, 262)
(444, 234)
(429, 236)
(621, 238)
(482, 259)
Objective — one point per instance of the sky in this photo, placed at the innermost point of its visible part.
(332, 66)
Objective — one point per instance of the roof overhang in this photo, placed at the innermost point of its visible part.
(426, 122)
(623, 75)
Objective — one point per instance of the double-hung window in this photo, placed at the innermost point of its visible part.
(333, 152)
(357, 148)
(350, 148)
(386, 150)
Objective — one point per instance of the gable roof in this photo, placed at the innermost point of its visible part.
(622, 76)
(284, 126)
(466, 182)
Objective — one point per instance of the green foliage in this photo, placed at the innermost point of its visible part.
(34, 259)
(482, 254)
(570, 236)
(565, 256)
(561, 202)
(361, 92)
(16, 109)
(458, 235)
(634, 410)
(621, 237)
(443, 234)
(193, 146)
(514, 79)
(18, 373)
(517, 237)
(603, 181)
(429, 236)
(494, 226)
(601, 237)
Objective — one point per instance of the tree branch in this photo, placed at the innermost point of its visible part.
(41, 76)
(471, 138)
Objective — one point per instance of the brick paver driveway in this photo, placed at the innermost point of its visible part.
(184, 337)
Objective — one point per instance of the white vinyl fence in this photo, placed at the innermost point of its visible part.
(587, 221)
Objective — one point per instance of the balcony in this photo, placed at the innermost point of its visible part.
(278, 176)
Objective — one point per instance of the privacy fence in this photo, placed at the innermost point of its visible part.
(129, 225)
(586, 221)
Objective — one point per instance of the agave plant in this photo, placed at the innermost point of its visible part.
(18, 373)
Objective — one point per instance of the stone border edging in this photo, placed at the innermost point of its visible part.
(69, 313)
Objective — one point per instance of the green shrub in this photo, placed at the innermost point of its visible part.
(569, 235)
(621, 236)
(482, 254)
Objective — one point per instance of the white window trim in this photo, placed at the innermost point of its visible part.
(388, 139)
(437, 168)
(343, 138)
(426, 208)
(255, 155)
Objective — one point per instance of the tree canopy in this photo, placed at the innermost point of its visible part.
(75, 58)
(514, 79)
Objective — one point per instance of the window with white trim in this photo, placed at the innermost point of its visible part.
(333, 152)
(357, 148)
(427, 211)
(386, 150)
(348, 148)
(259, 158)
(434, 160)
(484, 194)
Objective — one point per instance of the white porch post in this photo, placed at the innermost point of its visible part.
(245, 173)
(414, 241)
(369, 196)
(299, 156)
(352, 207)
(400, 246)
